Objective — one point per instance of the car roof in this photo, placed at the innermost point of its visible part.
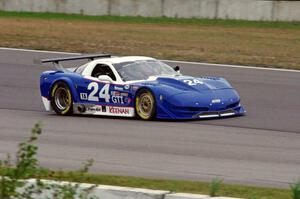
(115, 60)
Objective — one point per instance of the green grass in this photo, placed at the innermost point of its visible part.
(172, 185)
(296, 190)
(155, 20)
(215, 186)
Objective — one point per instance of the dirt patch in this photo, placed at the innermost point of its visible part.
(270, 47)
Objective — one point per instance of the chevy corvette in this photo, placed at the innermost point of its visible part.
(135, 86)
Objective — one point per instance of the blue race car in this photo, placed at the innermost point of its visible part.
(135, 86)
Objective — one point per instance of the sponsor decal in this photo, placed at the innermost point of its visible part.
(118, 88)
(94, 108)
(127, 87)
(193, 82)
(103, 93)
(127, 100)
(135, 88)
(119, 110)
(124, 94)
(117, 99)
(115, 93)
(215, 101)
(83, 96)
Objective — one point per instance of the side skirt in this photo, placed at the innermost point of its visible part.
(92, 109)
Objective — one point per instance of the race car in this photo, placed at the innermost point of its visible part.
(135, 86)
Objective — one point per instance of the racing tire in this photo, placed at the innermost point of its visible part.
(61, 99)
(145, 105)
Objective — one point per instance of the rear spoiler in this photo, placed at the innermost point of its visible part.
(57, 65)
(90, 57)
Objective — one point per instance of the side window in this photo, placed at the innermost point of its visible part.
(102, 69)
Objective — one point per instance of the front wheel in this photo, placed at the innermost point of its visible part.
(61, 99)
(145, 105)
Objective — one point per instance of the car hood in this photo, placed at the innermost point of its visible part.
(186, 91)
(188, 83)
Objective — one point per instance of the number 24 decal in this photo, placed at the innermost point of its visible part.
(103, 94)
(192, 82)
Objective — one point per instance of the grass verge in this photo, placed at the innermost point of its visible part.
(230, 190)
(172, 185)
(268, 44)
(153, 20)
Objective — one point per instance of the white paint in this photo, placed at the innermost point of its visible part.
(225, 198)
(208, 116)
(116, 192)
(227, 114)
(46, 103)
(170, 61)
(186, 196)
(87, 72)
(104, 82)
(104, 110)
(93, 87)
(104, 93)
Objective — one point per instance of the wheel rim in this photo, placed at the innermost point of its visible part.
(62, 98)
(145, 105)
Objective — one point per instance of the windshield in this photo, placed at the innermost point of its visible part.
(142, 70)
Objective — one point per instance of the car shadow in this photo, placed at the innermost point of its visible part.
(155, 120)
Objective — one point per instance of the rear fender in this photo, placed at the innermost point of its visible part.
(71, 85)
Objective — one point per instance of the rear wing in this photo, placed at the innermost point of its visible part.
(56, 61)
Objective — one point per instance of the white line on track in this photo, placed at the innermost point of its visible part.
(171, 61)
(38, 51)
(235, 66)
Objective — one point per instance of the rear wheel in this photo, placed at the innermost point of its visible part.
(145, 105)
(61, 99)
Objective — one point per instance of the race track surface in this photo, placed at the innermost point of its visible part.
(262, 148)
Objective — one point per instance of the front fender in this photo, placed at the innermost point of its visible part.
(161, 93)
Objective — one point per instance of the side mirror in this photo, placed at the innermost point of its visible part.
(177, 68)
(105, 78)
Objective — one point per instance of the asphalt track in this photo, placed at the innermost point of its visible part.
(262, 148)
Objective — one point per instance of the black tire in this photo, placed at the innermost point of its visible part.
(61, 99)
(145, 105)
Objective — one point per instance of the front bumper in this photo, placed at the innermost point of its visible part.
(183, 114)
(238, 111)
